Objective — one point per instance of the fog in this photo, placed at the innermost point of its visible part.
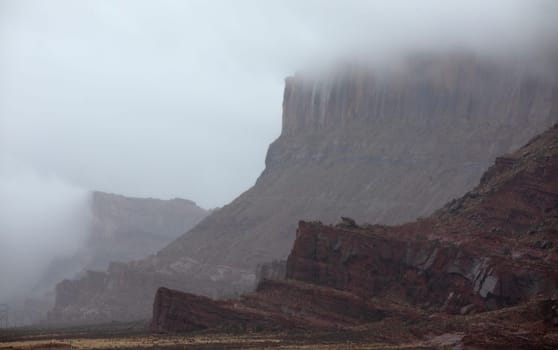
(42, 218)
(181, 98)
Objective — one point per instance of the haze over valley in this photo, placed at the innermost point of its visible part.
(278, 167)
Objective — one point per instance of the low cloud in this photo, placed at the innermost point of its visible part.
(181, 98)
(42, 219)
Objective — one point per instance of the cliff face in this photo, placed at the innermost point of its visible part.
(422, 92)
(120, 229)
(124, 292)
(386, 147)
(125, 228)
(380, 146)
(494, 248)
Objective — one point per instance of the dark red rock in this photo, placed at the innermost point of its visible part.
(549, 310)
(178, 311)
(476, 250)
(275, 305)
(478, 253)
(382, 146)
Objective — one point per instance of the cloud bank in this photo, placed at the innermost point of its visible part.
(42, 219)
(181, 98)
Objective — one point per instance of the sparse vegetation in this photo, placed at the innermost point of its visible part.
(346, 340)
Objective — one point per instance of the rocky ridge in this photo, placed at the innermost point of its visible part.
(122, 229)
(381, 146)
(126, 228)
(493, 249)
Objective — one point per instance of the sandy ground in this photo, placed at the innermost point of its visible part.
(136, 337)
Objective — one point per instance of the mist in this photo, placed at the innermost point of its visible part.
(181, 98)
(43, 218)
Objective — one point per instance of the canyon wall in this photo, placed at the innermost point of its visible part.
(491, 249)
(119, 229)
(123, 229)
(380, 145)
(126, 228)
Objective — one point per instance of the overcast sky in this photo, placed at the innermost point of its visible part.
(181, 98)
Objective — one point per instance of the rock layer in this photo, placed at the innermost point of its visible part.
(122, 229)
(126, 228)
(481, 252)
(276, 305)
(381, 146)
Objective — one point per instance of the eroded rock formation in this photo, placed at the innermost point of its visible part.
(381, 146)
(122, 229)
(493, 248)
(126, 228)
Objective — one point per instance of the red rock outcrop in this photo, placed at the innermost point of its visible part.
(127, 228)
(174, 310)
(275, 305)
(119, 228)
(493, 248)
(380, 146)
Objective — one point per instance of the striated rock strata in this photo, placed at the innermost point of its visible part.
(126, 228)
(276, 305)
(494, 248)
(384, 146)
(122, 229)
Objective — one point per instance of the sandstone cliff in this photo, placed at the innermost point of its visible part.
(120, 229)
(125, 228)
(496, 247)
(381, 146)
